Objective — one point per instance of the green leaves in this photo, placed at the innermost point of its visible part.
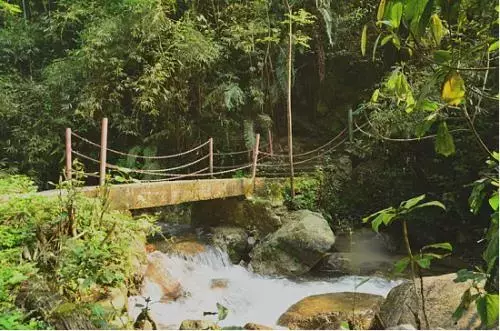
(442, 56)
(437, 29)
(445, 246)
(444, 144)
(221, 312)
(395, 14)
(381, 10)
(487, 308)
(453, 91)
(363, 40)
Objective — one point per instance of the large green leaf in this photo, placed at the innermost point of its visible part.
(487, 308)
(395, 14)
(385, 218)
(493, 201)
(381, 10)
(430, 204)
(363, 40)
(445, 246)
(437, 29)
(453, 91)
(442, 56)
(412, 202)
(401, 265)
(444, 141)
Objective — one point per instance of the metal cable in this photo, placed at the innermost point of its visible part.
(142, 156)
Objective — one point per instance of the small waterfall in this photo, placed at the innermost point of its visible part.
(248, 296)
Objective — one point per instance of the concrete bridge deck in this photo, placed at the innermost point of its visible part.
(157, 194)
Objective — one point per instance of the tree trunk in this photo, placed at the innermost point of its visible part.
(289, 101)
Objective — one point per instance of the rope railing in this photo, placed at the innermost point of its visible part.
(232, 153)
(268, 164)
(308, 152)
(161, 157)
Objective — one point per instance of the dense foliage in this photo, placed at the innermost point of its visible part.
(79, 261)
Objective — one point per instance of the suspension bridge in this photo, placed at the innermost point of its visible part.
(200, 173)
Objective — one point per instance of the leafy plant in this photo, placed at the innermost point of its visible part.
(414, 261)
(484, 282)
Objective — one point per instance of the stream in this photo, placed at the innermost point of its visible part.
(249, 297)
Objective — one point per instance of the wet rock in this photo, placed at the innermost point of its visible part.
(218, 283)
(184, 247)
(259, 216)
(402, 327)
(233, 240)
(198, 325)
(295, 248)
(255, 326)
(442, 297)
(340, 264)
(157, 273)
(328, 311)
(115, 299)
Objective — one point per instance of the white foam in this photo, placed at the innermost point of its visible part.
(248, 296)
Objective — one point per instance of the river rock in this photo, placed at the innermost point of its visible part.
(157, 273)
(442, 297)
(185, 248)
(198, 325)
(340, 264)
(255, 326)
(296, 247)
(255, 215)
(115, 299)
(233, 240)
(328, 311)
(219, 283)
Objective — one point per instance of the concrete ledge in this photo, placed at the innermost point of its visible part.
(148, 195)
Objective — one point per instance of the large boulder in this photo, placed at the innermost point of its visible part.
(296, 247)
(259, 216)
(157, 275)
(442, 296)
(233, 240)
(367, 264)
(329, 311)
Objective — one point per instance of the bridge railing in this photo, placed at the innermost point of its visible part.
(257, 161)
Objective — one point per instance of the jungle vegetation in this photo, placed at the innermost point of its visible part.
(420, 76)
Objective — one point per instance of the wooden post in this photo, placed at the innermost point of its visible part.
(255, 156)
(104, 146)
(211, 157)
(349, 121)
(270, 138)
(69, 161)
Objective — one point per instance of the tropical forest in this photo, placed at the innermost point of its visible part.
(249, 164)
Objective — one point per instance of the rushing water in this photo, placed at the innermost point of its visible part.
(248, 296)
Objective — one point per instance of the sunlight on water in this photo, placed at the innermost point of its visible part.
(249, 297)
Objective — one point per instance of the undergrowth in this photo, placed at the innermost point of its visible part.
(76, 244)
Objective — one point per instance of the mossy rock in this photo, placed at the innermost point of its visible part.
(296, 247)
(331, 310)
